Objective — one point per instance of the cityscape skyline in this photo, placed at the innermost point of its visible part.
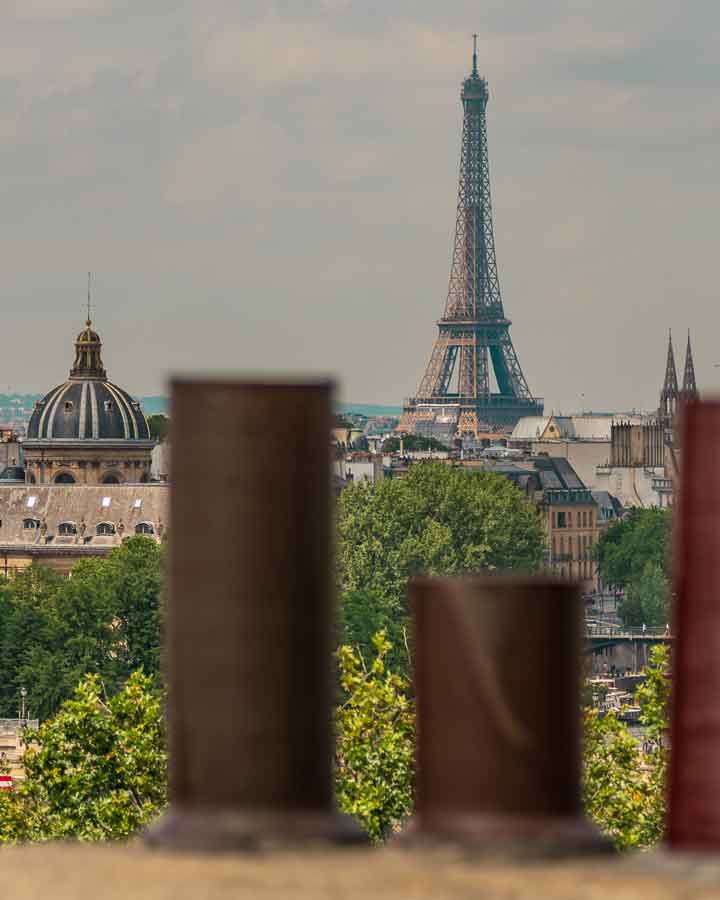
(227, 204)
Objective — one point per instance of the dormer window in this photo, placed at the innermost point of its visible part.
(68, 406)
(105, 528)
(31, 524)
(144, 528)
(67, 528)
(108, 406)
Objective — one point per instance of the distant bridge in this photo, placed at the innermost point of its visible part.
(598, 636)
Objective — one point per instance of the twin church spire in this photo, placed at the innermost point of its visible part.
(671, 394)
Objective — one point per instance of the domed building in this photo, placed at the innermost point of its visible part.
(87, 430)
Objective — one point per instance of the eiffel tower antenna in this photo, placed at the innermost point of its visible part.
(473, 341)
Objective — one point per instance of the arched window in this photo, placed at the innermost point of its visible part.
(111, 479)
(105, 528)
(31, 524)
(144, 528)
(64, 478)
(67, 528)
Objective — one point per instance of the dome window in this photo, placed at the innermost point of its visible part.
(68, 406)
(144, 528)
(67, 528)
(105, 528)
(31, 524)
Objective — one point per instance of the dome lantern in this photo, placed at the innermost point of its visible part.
(88, 362)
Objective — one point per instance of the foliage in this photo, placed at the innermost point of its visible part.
(654, 699)
(626, 546)
(437, 520)
(106, 619)
(646, 599)
(374, 754)
(97, 771)
(412, 442)
(624, 783)
(159, 426)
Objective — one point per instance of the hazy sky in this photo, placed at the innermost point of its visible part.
(272, 186)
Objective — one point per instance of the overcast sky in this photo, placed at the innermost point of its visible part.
(272, 187)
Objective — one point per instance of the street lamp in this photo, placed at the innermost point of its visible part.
(23, 704)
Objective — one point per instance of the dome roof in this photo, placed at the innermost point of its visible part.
(88, 406)
(88, 409)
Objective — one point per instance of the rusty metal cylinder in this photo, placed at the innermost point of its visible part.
(250, 617)
(694, 803)
(497, 675)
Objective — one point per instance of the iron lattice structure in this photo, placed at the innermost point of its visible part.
(473, 332)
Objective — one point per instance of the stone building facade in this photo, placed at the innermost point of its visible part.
(57, 525)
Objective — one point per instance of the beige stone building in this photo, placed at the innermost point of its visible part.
(58, 525)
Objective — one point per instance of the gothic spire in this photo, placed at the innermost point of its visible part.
(689, 388)
(670, 394)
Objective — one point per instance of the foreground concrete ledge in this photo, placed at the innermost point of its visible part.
(80, 872)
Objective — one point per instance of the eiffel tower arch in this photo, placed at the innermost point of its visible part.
(473, 342)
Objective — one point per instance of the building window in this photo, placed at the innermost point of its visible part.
(31, 524)
(105, 528)
(553, 548)
(144, 528)
(590, 518)
(111, 479)
(64, 478)
(584, 518)
(561, 520)
(67, 528)
(108, 406)
(68, 406)
(569, 519)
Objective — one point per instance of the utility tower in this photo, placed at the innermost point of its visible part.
(473, 341)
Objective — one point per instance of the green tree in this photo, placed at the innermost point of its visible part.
(375, 745)
(97, 771)
(626, 546)
(624, 783)
(159, 426)
(106, 619)
(438, 520)
(412, 442)
(646, 599)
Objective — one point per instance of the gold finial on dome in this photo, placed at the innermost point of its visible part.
(88, 361)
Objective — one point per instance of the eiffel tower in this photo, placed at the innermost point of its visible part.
(473, 334)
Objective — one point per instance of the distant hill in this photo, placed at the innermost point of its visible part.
(19, 407)
(370, 409)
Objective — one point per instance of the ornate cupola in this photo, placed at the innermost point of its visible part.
(88, 362)
(88, 430)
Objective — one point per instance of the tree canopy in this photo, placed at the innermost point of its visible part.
(159, 426)
(646, 600)
(438, 520)
(626, 546)
(412, 442)
(96, 771)
(106, 619)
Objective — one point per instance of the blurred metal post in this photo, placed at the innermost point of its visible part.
(694, 806)
(497, 674)
(250, 618)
